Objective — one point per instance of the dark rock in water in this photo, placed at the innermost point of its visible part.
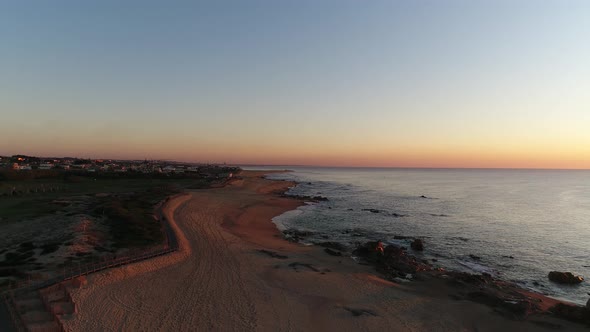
(372, 210)
(392, 261)
(475, 258)
(332, 252)
(417, 245)
(308, 198)
(369, 250)
(333, 245)
(401, 237)
(423, 196)
(295, 235)
(350, 210)
(564, 278)
(397, 215)
(511, 257)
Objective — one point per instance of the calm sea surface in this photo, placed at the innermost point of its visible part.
(541, 218)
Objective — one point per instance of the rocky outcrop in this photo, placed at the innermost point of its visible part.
(333, 245)
(392, 261)
(417, 245)
(567, 278)
(308, 198)
(332, 252)
(572, 313)
(296, 235)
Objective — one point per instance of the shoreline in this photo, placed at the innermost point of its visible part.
(237, 272)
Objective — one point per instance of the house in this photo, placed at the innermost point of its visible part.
(169, 169)
(45, 166)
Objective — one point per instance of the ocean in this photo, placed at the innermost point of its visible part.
(514, 224)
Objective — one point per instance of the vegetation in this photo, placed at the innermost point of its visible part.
(131, 217)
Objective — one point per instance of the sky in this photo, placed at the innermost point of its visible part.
(332, 83)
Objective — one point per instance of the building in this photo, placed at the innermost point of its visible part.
(46, 166)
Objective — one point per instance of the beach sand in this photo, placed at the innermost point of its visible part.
(220, 281)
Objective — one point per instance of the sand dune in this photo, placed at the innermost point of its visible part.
(219, 281)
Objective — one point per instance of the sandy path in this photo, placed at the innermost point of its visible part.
(220, 282)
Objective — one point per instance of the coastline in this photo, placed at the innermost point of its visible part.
(235, 271)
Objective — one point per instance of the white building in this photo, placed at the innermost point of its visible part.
(46, 166)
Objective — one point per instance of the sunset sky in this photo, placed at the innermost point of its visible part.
(341, 83)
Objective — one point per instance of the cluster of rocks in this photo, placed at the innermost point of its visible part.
(393, 214)
(295, 235)
(396, 264)
(392, 260)
(506, 298)
(315, 199)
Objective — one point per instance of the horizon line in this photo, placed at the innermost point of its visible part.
(418, 167)
(311, 165)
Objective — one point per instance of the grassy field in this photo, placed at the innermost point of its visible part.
(57, 221)
(38, 197)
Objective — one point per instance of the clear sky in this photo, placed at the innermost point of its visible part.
(346, 83)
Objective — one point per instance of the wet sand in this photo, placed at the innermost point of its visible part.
(220, 281)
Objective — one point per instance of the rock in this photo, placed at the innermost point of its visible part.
(392, 260)
(333, 245)
(308, 198)
(359, 312)
(417, 245)
(372, 210)
(295, 265)
(272, 254)
(564, 278)
(572, 313)
(295, 235)
(332, 252)
(475, 258)
(369, 250)
(423, 196)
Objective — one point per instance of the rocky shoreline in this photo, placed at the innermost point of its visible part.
(396, 264)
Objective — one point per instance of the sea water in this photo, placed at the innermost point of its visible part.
(515, 224)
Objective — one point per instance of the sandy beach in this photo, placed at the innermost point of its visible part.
(220, 280)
